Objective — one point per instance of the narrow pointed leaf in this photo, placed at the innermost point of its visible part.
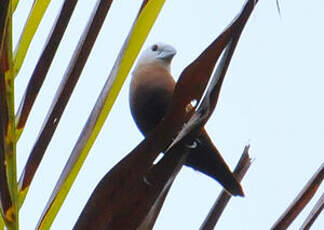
(64, 92)
(111, 207)
(152, 215)
(225, 44)
(139, 32)
(33, 89)
(223, 199)
(4, 65)
(14, 5)
(318, 208)
(125, 196)
(4, 15)
(44, 63)
(35, 16)
(300, 201)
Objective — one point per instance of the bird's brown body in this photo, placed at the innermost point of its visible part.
(150, 94)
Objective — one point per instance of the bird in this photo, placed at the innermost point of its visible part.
(150, 94)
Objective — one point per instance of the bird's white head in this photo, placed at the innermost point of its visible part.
(158, 53)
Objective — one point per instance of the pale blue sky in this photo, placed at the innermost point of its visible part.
(272, 98)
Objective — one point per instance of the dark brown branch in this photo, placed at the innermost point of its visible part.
(300, 201)
(317, 209)
(223, 199)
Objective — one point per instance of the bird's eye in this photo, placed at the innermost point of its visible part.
(154, 48)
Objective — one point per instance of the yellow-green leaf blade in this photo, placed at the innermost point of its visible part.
(123, 64)
(1, 224)
(14, 6)
(65, 89)
(34, 85)
(36, 14)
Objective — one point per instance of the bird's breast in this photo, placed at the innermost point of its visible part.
(150, 95)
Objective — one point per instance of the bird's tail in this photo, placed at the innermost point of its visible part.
(207, 159)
